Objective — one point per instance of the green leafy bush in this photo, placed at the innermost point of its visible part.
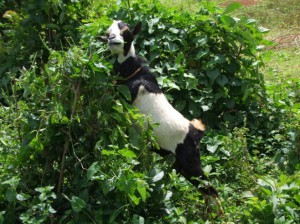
(69, 149)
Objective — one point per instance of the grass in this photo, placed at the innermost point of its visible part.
(282, 65)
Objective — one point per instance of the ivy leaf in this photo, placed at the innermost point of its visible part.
(123, 89)
(212, 75)
(232, 7)
(263, 30)
(127, 153)
(138, 219)
(214, 144)
(222, 80)
(93, 169)
(77, 204)
(297, 197)
(141, 188)
(247, 194)
(10, 195)
(158, 177)
(207, 169)
(108, 185)
(105, 152)
(134, 199)
(99, 65)
(212, 148)
(2, 217)
(115, 214)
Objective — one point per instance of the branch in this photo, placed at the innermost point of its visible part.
(62, 167)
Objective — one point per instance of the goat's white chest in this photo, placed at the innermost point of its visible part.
(172, 128)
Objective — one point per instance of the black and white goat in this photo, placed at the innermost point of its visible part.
(175, 134)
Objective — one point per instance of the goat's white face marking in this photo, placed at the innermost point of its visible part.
(116, 41)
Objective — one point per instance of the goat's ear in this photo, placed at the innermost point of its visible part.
(137, 28)
(103, 39)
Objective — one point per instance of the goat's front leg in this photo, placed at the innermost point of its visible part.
(188, 164)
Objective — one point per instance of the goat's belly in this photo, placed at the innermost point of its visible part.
(172, 127)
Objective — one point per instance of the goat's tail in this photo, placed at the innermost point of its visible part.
(197, 123)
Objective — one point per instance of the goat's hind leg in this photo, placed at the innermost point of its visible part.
(189, 165)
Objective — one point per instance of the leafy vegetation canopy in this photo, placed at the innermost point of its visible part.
(69, 152)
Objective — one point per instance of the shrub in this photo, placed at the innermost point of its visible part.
(69, 150)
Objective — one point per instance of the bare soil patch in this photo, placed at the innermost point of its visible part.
(243, 2)
(287, 40)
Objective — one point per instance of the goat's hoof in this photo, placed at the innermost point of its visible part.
(213, 205)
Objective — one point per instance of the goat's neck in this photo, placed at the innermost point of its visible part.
(129, 66)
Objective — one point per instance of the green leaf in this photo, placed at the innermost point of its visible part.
(115, 214)
(92, 170)
(222, 80)
(108, 185)
(22, 197)
(297, 197)
(123, 89)
(180, 104)
(99, 65)
(247, 194)
(172, 85)
(36, 144)
(202, 41)
(10, 195)
(158, 177)
(77, 204)
(263, 30)
(134, 199)
(13, 182)
(207, 169)
(232, 7)
(212, 75)
(2, 217)
(118, 107)
(107, 152)
(127, 153)
(141, 188)
(212, 148)
(214, 144)
(201, 53)
(205, 107)
(138, 219)
(52, 26)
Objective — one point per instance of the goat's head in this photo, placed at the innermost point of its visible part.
(119, 38)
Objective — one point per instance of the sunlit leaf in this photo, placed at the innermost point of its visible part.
(232, 7)
(127, 153)
(92, 170)
(77, 204)
(158, 176)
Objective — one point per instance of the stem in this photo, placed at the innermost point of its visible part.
(62, 168)
(14, 89)
(66, 145)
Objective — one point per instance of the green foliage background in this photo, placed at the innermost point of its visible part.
(69, 152)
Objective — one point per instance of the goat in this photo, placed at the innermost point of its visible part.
(175, 134)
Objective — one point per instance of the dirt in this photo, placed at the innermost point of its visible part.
(243, 2)
(287, 40)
